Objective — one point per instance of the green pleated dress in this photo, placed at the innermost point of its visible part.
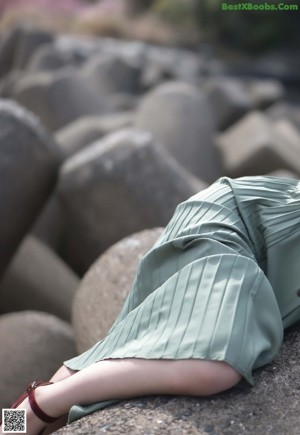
(220, 283)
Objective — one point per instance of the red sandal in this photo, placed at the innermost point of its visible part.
(34, 406)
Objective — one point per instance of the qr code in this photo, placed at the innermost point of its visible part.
(14, 420)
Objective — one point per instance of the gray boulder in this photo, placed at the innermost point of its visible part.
(105, 286)
(33, 345)
(49, 58)
(83, 48)
(112, 74)
(8, 46)
(29, 163)
(254, 145)
(158, 66)
(229, 99)
(37, 279)
(123, 102)
(281, 64)
(59, 97)
(50, 224)
(271, 406)
(30, 40)
(115, 187)
(154, 75)
(19, 44)
(65, 50)
(9, 82)
(265, 92)
(180, 117)
(283, 173)
(162, 63)
(83, 131)
(283, 110)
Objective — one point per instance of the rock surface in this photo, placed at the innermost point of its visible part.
(118, 186)
(280, 111)
(50, 224)
(180, 117)
(50, 58)
(229, 99)
(37, 279)
(18, 45)
(265, 92)
(30, 40)
(270, 407)
(29, 162)
(112, 74)
(59, 97)
(83, 131)
(105, 287)
(255, 145)
(33, 345)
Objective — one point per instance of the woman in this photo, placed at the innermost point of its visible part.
(208, 305)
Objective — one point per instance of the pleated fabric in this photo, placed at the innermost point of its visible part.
(220, 283)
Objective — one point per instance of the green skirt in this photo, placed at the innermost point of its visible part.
(220, 283)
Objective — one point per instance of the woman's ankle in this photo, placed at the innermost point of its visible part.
(46, 398)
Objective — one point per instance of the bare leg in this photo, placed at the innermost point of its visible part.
(62, 373)
(125, 378)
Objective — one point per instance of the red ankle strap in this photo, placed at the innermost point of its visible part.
(34, 406)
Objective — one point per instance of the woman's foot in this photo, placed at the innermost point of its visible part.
(37, 417)
(33, 424)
